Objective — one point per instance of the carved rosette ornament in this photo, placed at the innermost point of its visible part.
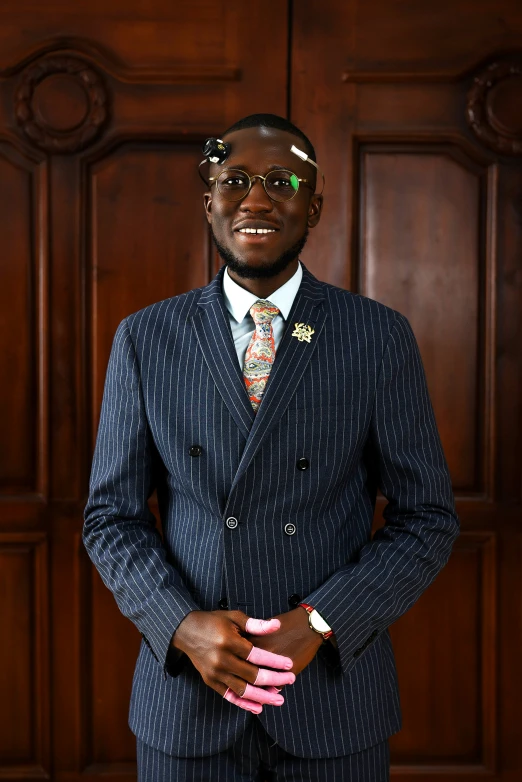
(494, 107)
(61, 104)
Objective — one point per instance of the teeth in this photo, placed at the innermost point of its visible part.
(257, 230)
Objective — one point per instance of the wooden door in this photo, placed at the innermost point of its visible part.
(102, 117)
(415, 111)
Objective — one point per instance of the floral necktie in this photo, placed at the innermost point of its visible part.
(260, 353)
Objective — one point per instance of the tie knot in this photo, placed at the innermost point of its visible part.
(263, 312)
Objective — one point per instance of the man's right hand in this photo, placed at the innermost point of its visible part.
(229, 663)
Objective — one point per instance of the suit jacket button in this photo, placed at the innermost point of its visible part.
(223, 604)
(195, 450)
(290, 529)
(303, 464)
(231, 522)
(294, 600)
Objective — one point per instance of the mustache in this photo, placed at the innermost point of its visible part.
(242, 269)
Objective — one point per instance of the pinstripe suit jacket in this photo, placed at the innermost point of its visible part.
(354, 403)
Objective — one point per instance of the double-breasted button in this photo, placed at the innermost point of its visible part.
(303, 464)
(290, 529)
(231, 522)
(294, 600)
(223, 604)
(195, 450)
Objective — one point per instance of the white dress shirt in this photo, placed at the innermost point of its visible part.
(238, 302)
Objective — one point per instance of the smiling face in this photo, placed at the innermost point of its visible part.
(284, 224)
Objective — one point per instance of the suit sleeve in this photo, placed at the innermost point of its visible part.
(119, 532)
(361, 599)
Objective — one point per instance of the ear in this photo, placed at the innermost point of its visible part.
(207, 201)
(314, 210)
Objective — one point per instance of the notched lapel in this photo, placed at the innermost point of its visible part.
(214, 336)
(292, 358)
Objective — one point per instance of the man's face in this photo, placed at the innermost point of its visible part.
(257, 151)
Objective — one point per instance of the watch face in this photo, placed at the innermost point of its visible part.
(318, 623)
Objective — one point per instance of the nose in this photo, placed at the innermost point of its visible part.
(256, 200)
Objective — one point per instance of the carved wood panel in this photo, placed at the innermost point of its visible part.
(421, 238)
(101, 115)
(420, 143)
(135, 192)
(24, 656)
(447, 669)
(24, 264)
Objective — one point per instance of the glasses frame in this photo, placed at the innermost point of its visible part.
(214, 180)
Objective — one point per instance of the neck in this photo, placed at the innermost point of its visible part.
(264, 286)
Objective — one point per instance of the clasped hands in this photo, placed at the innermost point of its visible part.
(247, 660)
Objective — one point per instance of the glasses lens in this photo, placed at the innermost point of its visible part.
(233, 184)
(281, 185)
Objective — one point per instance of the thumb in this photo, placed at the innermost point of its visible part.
(262, 626)
(253, 626)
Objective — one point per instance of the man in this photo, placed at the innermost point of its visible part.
(266, 408)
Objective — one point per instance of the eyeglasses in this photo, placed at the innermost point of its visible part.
(280, 185)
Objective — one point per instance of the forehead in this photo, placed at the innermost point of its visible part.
(260, 148)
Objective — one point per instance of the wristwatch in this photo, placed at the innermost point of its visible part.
(316, 622)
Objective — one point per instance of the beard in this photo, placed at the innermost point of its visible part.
(242, 269)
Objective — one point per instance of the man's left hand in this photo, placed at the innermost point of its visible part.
(294, 639)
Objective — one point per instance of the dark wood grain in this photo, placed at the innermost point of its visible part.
(423, 213)
(101, 214)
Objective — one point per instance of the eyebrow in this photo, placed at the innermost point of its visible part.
(273, 167)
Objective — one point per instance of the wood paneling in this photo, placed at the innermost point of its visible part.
(414, 116)
(192, 36)
(137, 192)
(424, 40)
(421, 238)
(447, 668)
(24, 656)
(102, 113)
(22, 324)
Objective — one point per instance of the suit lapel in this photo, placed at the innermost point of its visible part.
(292, 358)
(212, 326)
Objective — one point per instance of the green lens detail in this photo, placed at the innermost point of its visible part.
(294, 181)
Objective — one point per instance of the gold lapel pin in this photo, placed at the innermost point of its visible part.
(303, 332)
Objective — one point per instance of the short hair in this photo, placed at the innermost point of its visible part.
(272, 121)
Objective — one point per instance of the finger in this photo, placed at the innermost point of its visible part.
(273, 678)
(259, 695)
(243, 703)
(262, 657)
(262, 626)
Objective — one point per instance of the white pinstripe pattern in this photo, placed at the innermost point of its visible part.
(354, 402)
(255, 756)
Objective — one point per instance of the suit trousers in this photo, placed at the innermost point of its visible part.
(255, 757)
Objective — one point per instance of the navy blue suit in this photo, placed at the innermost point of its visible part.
(354, 404)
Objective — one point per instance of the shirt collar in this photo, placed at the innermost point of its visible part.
(238, 300)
